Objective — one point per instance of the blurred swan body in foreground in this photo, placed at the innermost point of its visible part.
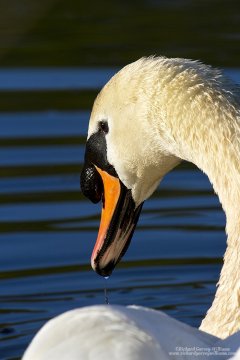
(150, 116)
(118, 332)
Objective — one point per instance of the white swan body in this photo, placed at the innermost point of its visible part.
(117, 332)
(158, 111)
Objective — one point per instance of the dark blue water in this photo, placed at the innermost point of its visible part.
(48, 229)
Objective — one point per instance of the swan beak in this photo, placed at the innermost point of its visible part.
(118, 221)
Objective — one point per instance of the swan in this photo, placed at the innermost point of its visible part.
(151, 115)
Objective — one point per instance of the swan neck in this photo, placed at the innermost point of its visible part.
(222, 168)
(217, 154)
(204, 128)
(223, 317)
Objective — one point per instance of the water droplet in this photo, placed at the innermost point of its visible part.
(106, 292)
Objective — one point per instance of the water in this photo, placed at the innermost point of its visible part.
(47, 228)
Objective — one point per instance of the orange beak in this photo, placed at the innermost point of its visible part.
(118, 221)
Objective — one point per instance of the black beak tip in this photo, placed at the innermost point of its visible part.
(106, 270)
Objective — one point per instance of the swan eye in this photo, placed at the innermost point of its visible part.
(103, 126)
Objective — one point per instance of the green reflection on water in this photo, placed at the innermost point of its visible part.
(124, 264)
(52, 226)
(56, 33)
(46, 141)
(9, 171)
(45, 100)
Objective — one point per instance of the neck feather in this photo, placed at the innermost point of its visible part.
(223, 318)
(204, 128)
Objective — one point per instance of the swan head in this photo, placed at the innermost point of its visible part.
(124, 159)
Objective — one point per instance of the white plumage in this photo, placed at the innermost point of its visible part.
(118, 332)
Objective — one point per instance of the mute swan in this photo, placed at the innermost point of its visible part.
(148, 117)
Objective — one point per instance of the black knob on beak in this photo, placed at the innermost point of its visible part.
(91, 183)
